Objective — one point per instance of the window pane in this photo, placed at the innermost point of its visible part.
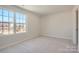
(5, 28)
(5, 19)
(11, 19)
(0, 18)
(21, 16)
(0, 24)
(0, 27)
(17, 20)
(24, 17)
(24, 21)
(17, 28)
(11, 14)
(17, 15)
(0, 11)
(5, 12)
(20, 21)
(5, 24)
(21, 27)
(24, 27)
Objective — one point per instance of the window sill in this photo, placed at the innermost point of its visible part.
(14, 34)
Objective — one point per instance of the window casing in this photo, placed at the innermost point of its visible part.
(8, 19)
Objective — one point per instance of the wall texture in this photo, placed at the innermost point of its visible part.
(58, 25)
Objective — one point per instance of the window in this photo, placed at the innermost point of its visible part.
(6, 21)
(20, 23)
(7, 18)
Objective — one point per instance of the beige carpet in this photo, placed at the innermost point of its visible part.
(42, 45)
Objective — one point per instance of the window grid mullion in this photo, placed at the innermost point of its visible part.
(2, 21)
(8, 23)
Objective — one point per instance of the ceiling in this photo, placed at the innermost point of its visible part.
(47, 9)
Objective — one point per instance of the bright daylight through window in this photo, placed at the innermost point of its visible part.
(8, 19)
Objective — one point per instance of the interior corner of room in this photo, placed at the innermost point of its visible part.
(47, 28)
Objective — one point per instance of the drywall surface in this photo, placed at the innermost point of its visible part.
(58, 25)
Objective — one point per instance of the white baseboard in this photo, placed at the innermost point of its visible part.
(56, 36)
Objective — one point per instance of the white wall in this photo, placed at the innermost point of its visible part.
(58, 25)
(33, 31)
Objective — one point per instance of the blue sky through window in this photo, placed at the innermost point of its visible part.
(17, 20)
(8, 16)
(0, 11)
(5, 12)
(0, 18)
(20, 18)
(5, 15)
(11, 14)
(17, 15)
(10, 19)
(5, 19)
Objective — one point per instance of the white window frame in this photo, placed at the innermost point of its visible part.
(14, 23)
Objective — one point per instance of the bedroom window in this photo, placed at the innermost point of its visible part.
(20, 23)
(6, 21)
(11, 22)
